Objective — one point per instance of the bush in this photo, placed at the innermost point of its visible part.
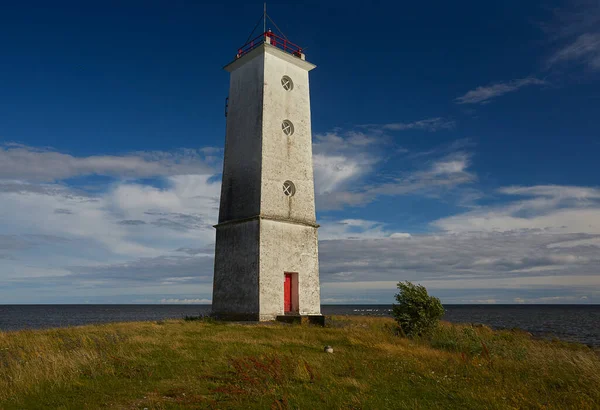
(417, 313)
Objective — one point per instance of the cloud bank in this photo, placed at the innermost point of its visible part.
(45, 165)
(140, 241)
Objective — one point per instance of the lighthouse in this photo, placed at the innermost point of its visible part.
(266, 252)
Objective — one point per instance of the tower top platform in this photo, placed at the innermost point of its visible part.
(269, 37)
(263, 47)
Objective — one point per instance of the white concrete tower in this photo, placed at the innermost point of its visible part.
(266, 256)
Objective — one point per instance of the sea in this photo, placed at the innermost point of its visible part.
(576, 323)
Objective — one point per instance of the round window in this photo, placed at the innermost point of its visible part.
(287, 83)
(289, 188)
(287, 127)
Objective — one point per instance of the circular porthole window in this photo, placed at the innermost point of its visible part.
(289, 188)
(287, 127)
(287, 83)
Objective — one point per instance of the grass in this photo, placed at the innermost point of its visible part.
(204, 364)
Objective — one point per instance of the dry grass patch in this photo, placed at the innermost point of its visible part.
(199, 364)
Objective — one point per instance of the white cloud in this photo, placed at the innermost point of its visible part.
(584, 49)
(352, 229)
(485, 94)
(127, 221)
(344, 161)
(438, 175)
(575, 32)
(335, 171)
(154, 271)
(400, 235)
(577, 243)
(340, 159)
(556, 191)
(429, 124)
(566, 209)
(20, 162)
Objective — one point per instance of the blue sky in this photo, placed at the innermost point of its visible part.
(455, 145)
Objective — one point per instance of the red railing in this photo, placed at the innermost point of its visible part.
(275, 41)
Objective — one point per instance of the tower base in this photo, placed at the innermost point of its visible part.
(302, 319)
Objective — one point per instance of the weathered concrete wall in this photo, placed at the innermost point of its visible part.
(286, 247)
(235, 286)
(240, 191)
(286, 157)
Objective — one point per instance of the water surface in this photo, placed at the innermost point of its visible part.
(580, 323)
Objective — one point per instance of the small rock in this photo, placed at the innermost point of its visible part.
(328, 349)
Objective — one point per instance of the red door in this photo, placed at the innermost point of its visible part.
(287, 293)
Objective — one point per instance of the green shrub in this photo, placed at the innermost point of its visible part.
(417, 313)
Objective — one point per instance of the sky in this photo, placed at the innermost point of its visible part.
(455, 145)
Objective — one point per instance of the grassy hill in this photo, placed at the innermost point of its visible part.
(202, 364)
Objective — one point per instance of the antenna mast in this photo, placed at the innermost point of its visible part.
(265, 18)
